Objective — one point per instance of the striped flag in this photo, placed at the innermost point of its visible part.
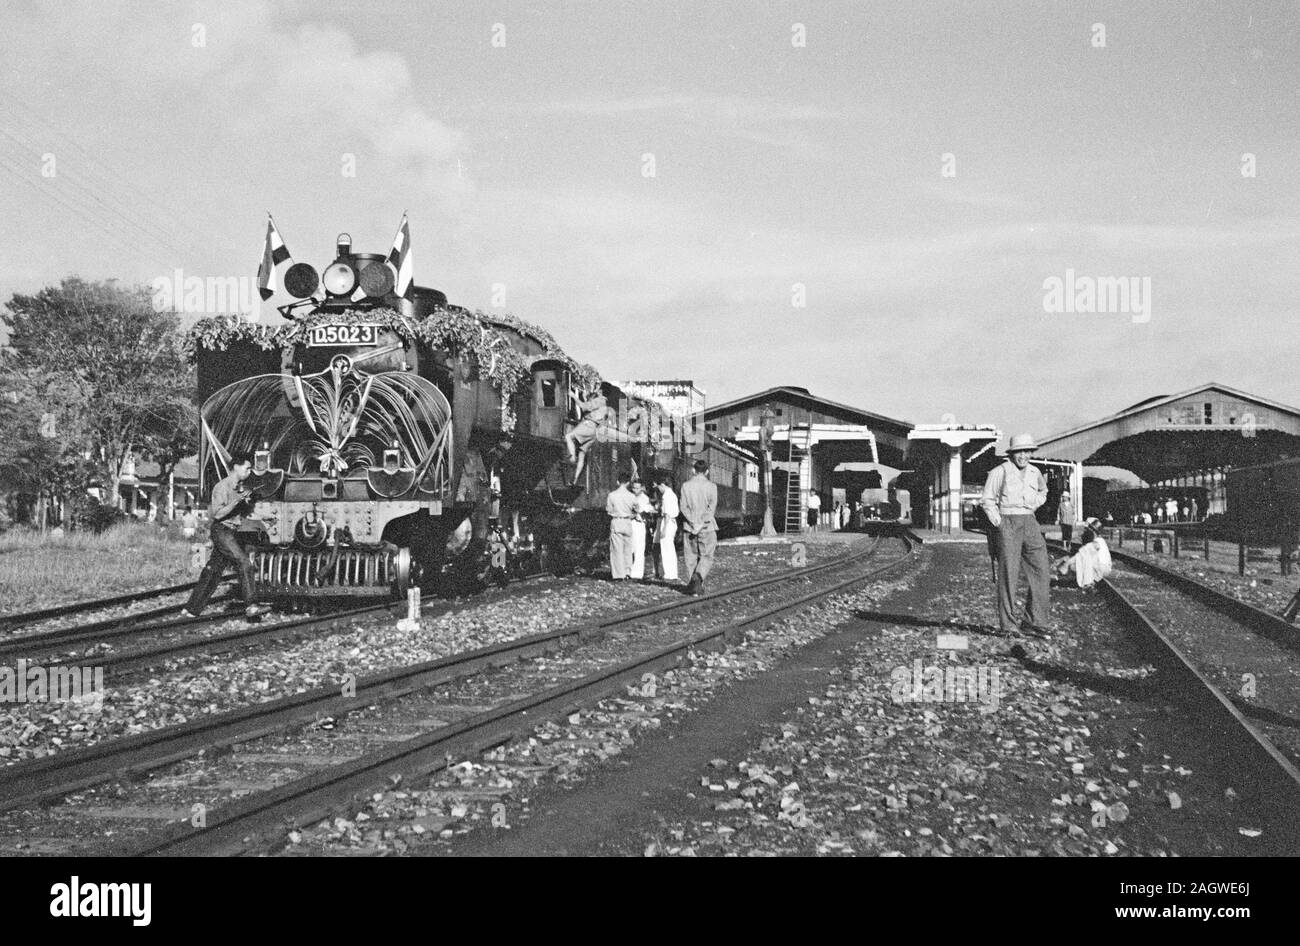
(399, 258)
(275, 259)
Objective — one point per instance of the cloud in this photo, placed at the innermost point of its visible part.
(240, 64)
(761, 120)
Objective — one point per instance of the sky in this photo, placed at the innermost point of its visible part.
(869, 200)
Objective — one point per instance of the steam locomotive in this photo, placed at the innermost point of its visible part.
(399, 440)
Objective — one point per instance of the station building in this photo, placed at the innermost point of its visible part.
(1181, 445)
(818, 446)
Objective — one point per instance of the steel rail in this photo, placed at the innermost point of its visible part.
(49, 641)
(10, 621)
(257, 819)
(122, 661)
(1266, 762)
(37, 781)
(1262, 622)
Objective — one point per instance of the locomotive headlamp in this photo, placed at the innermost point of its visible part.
(340, 279)
(377, 280)
(301, 280)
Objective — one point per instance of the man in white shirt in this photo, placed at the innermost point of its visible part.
(814, 509)
(1012, 493)
(621, 508)
(644, 510)
(1092, 562)
(666, 530)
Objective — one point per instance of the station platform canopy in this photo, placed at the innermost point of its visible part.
(1168, 437)
(955, 458)
(818, 446)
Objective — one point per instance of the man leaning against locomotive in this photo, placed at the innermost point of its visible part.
(227, 511)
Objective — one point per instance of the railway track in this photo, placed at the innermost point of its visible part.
(11, 622)
(176, 638)
(323, 742)
(1235, 666)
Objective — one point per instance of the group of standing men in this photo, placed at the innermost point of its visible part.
(632, 512)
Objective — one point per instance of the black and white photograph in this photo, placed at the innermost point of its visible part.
(650, 430)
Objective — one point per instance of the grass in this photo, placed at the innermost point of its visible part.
(39, 571)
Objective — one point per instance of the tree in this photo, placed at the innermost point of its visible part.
(106, 373)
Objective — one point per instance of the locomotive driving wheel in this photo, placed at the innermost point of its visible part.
(404, 571)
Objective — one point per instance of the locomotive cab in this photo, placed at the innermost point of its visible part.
(550, 401)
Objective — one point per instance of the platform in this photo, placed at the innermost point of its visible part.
(931, 537)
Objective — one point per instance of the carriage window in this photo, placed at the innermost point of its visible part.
(548, 392)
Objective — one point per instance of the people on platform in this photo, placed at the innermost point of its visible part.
(1092, 562)
(814, 508)
(1013, 492)
(699, 503)
(620, 506)
(1195, 511)
(1065, 516)
(579, 439)
(666, 529)
(645, 511)
(229, 506)
(1171, 509)
(189, 523)
(846, 515)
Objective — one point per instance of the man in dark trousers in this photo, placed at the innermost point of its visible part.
(699, 503)
(230, 503)
(1012, 493)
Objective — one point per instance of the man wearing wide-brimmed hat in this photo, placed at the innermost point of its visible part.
(1012, 493)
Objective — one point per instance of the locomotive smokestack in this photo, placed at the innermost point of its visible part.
(344, 245)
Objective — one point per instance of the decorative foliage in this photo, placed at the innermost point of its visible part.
(462, 333)
(337, 423)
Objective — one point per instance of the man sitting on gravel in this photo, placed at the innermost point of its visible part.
(1092, 562)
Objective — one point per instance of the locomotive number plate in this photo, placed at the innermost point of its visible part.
(321, 335)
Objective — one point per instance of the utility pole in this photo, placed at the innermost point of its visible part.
(765, 434)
